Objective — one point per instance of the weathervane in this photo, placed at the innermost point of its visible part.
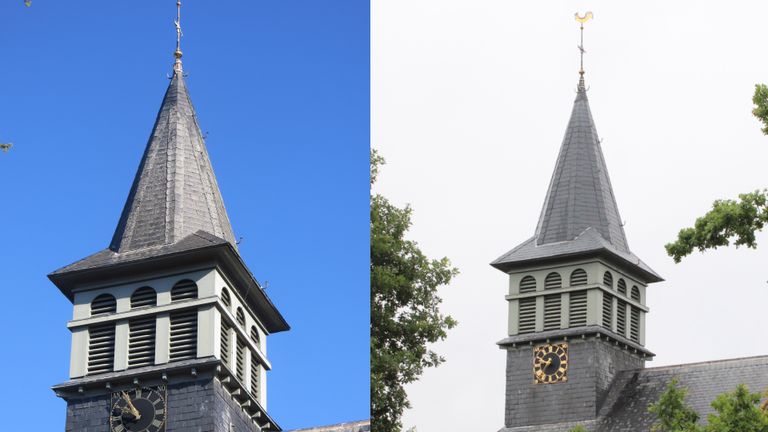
(177, 54)
(582, 19)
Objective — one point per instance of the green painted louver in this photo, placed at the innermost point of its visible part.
(527, 315)
(101, 348)
(578, 309)
(183, 335)
(528, 285)
(552, 312)
(141, 341)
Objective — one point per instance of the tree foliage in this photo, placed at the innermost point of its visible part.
(736, 411)
(578, 428)
(728, 219)
(673, 414)
(740, 219)
(404, 309)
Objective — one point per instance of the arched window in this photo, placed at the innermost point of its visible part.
(553, 281)
(578, 277)
(635, 293)
(225, 297)
(528, 285)
(184, 290)
(144, 296)
(622, 286)
(240, 316)
(255, 336)
(608, 280)
(104, 304)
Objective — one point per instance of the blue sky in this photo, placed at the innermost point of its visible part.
(281, 88)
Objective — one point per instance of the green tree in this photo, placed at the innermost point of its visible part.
(578, 428)
(673, 414)
(404, 309)
(729, 219)
(737, 411)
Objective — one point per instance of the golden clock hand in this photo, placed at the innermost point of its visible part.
(134, 411)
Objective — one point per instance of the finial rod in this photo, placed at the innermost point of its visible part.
(582, 19)
(177, 54)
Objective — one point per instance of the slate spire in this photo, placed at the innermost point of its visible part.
(175, 193)
(580, 195)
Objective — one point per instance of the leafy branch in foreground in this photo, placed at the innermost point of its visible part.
(405, 314)
(728, 219)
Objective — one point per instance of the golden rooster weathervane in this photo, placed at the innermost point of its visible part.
(582, 19)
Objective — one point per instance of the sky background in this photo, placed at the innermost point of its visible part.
(281, 88)
(470, 100)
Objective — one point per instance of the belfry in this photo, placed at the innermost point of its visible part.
(170, 327)
(575, 342)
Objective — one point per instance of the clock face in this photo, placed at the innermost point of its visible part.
(550, 363)
(138, 410)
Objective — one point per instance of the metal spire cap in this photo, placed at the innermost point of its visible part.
(177, 54)
(581, 20)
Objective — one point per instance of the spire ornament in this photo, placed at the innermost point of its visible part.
(581, 20)
(177, 54)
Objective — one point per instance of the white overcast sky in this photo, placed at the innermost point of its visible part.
(470, 100)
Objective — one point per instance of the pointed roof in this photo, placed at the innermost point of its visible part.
(580, 214)
(175, 193)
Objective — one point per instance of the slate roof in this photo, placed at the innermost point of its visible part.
(358, 426)
(625, 408)
(175, 192)
(579, 214)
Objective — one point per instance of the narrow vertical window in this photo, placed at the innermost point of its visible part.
(634, 324)
(527, 315)
(240, 359)
(577, 309)
(527, 285)
(607, 311)
(225, 331)
(621, 317)
(101, 348)
(141, 341)
(183, 335)
(552, 312)
(255, 376)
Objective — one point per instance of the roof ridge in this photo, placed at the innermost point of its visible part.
(704, 363)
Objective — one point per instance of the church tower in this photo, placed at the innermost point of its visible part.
(577, 294)
(169, 328)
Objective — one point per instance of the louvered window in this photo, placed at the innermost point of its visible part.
(607, 311)
(255, 336)
(622, 286)
(141, 342)
(184, 290)
(527, 285)
(552, 312)
(634, 325)
(255, 376)
(183, 335)
(225, 332)
(608, 280)
(240, 316)
(621, 318)
(240, 359)
(635, 293)
(144, 296)
(553, 281)
(225, 297)
(101, 348)
(527, 315)
(578, 277)
(104, 304)
(577, 309)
